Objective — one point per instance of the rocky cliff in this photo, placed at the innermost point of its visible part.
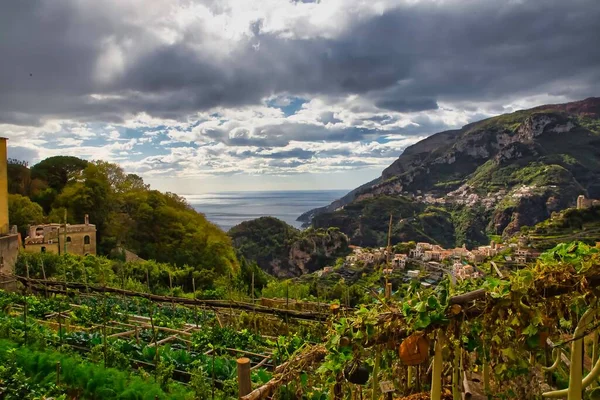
(514, 170)
(283, 251)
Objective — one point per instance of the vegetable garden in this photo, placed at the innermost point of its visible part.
(530, 335)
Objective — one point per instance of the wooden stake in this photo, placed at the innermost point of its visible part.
(388, 291)
(25, 318)
(195, 305)
(27, 272)
(44, 275)
(171, 287)
(243, 372)
(58, 373)
(213, 375)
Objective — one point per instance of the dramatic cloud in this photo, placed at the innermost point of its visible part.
(200, 88)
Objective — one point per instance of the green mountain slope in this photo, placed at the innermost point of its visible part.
(565, 226)
(285, 251)
(514, 169)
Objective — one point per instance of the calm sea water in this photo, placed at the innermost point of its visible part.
(228, 209)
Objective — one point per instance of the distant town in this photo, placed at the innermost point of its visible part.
(430, 263)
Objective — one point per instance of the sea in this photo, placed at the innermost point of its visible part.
(227, 209)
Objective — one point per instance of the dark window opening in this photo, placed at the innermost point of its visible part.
(86, 239)
(68, 239)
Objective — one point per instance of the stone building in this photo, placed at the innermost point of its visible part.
(9, 238)
(78, 239)
(583, 202)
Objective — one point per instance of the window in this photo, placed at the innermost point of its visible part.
(86, 239)
(43, 249)
(68, 239)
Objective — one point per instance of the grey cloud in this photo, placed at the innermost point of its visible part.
(23, 154)
(280, 135)
(407, 59)
(328, 117)
(407, 105)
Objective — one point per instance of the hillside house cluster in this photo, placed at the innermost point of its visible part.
(464, 271)
(432, 252)
(367, 256)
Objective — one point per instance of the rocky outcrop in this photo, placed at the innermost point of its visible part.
(283, 251)
(518, 167)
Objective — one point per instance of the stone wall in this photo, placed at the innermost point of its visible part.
(9, 250)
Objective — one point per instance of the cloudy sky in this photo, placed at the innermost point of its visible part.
(209, 95)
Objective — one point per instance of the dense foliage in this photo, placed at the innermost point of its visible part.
(159, 278)
(283, 250)
(154, 225)
(504, 331)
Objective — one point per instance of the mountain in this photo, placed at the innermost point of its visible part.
(285, 251)
(488, 178)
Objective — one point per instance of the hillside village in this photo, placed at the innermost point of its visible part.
(430, 263)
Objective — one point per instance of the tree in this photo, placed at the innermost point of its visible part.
(19, 178)
(23, 212)
(57, 171)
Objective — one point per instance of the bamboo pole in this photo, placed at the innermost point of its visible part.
(467, 387)
(486, 376)
(576, 383)
(438, 360)
(594, 352)
(456, 375)
(375, 377)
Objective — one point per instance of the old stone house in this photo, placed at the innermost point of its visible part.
(78, 239)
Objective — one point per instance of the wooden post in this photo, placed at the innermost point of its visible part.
(153, 330)
(44, 275)
(388, 290)
(27, 272)
(252, 287)
(25, 318)
(104, 342)
(148, 281)
(171, 288)
(58, 373)
(195, 305)
(243, 372)
(65, 234)
(213, 375)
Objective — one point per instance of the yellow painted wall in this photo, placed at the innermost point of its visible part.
(77, 244)
(4, 225)
(37, 248)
